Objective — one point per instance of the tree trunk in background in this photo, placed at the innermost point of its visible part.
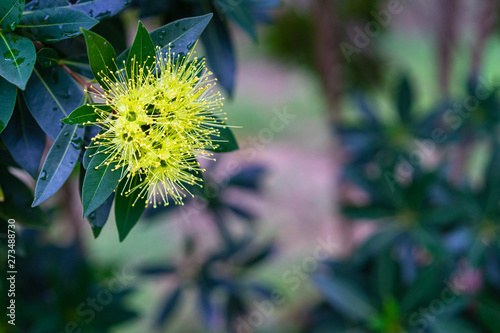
(446, 39)
(329, 28)
(446, 30)
(328, 58)
(484, 25)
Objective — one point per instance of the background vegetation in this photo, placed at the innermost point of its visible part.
(363, 198)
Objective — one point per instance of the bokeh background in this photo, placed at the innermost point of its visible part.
(365, 192)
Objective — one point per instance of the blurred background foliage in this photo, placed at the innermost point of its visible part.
(390, 152)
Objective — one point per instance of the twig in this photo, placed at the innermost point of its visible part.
(80, 80)
(38, 45)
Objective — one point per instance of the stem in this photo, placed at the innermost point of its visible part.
(75, 76)
(446, 39)
(485, 25)
(38, 45)
(79, 79)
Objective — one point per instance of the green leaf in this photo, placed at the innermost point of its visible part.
(404, 100)
(98, 218)
(181, 34)
(142, 52)
(86, 113)
(54, 24)
(47, 57)
(219, 52)
(240, 12)
(59, 163)
(24, 139)
(89, 153)
(10, 14)
(51, 94)
(98, 9)
(128, 207)
(225, 141)
(101, 56)
(8, 93)
(19, 58)
(99, 183)
(348, 298)
(17, 202)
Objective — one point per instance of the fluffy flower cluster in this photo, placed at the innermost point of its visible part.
(162, 118)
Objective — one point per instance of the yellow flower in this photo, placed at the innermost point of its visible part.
(162, 119)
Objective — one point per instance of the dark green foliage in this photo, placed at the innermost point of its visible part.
(59, 163)
(54, 94)
(54, 52)
(47, 57)
(17, 202)
(85, 113)
(51, 95)
(72, 283)
(291, 38)
(216, 38)
(128, 207)
(8, 94)
(99, 183)
(222, 294)
(19, 54)
(435, 241)
(98, 9)
(54, 24)
(10, 14)
(372, 298)
(433, 233)
(219, 50)
(102, 56)
(141, 52)
(24, 139)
